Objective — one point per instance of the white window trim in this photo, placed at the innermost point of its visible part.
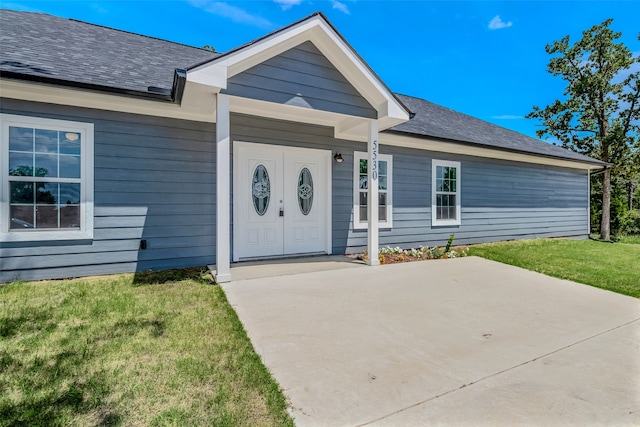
(362, 225)
(446, 163)
(86, 180)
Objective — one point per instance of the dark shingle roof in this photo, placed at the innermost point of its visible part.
(443, 123)
(40, 45)
(47, 46)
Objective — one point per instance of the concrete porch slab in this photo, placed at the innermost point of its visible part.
(287, 266)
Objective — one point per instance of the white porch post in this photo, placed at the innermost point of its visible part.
(372, 194)
(223, 190)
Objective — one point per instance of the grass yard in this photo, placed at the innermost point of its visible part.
(153, 349)
(611, 266)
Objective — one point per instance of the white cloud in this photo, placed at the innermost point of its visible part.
(335, 4)
(340, 6)
(507, 117)
(287, 4)
(497, 23)
(233, 13)
(98, 8)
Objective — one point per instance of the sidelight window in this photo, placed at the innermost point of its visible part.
(361, 185)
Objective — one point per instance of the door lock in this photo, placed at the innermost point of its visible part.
(281, 212)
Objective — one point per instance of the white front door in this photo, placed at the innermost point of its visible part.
(281, 201)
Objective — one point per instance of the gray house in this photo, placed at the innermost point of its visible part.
(121, 153)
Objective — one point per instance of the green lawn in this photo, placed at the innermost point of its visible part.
(612, 266)
(149, 349)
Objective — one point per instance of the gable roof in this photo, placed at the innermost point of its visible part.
(319, 31)
(36, 46)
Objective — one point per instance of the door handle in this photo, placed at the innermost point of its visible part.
(281, 212)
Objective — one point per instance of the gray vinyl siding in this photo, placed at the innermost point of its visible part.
(154, 180)
(500, 200)
(303, 77)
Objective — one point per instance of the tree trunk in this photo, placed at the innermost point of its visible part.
(605, 230)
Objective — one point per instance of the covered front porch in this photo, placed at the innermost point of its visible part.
(305, 73)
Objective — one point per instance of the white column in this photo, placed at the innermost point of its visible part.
(372, 194)
(223, 190)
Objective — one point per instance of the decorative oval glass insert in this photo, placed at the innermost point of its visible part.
(260, 189)
(305, 191)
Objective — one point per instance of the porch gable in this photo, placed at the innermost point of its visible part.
(302, 77)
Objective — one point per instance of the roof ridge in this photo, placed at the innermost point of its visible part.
(136, 34)
(108, 28)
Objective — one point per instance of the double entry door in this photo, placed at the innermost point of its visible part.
(281, 201)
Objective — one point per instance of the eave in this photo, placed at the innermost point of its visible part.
(409, 140)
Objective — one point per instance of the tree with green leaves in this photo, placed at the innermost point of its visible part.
(600, 113)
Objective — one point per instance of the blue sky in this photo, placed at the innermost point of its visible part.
(483, 58)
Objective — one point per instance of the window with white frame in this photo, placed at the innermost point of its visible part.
(445, 193)
(46, 182)
(361, 185)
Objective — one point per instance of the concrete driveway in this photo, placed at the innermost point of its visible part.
(451, 342)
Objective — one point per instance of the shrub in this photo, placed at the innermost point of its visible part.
(423, 252)
(447, 249)
(630, 223)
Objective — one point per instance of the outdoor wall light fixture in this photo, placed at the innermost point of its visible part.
(338, 158)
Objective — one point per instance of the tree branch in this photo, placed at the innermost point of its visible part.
(634, 99)
(574, 129)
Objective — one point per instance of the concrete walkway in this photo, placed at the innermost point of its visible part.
(449, 342)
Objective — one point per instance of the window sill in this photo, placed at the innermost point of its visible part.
(45, 236)
(381, 226)
(444, 223)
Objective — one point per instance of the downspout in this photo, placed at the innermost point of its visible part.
(179, 82)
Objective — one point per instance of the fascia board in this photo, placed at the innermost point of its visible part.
(196, 104)
(217, 71)
(214, 75)
(359, 74)
(429, 144)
